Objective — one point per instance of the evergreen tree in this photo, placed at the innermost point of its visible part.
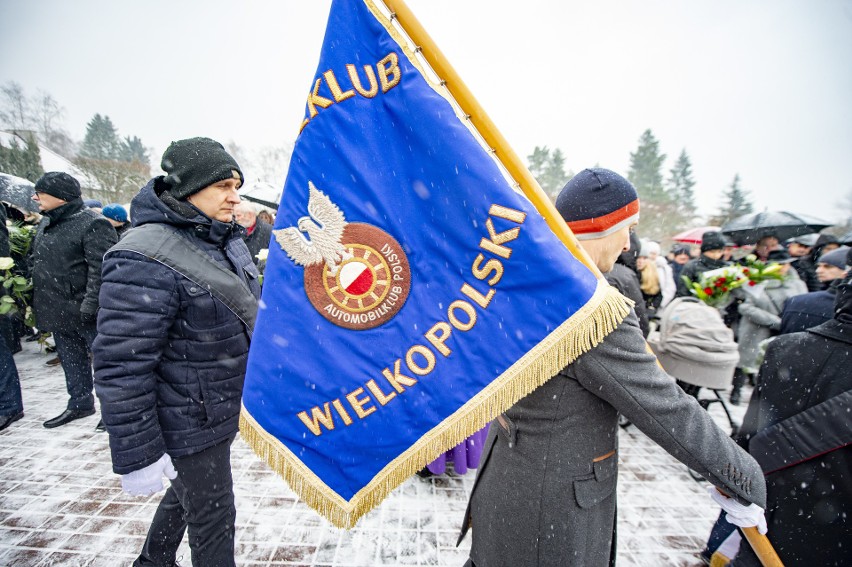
(538, 161)
(119, 167)
(134, 150)
(22, 161)
(101, 141)
(659, 209)
(554, 174)
(646, 168)
(548, 169)
(679, 187)
(736, 203)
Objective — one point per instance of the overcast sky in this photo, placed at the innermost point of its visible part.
(762, 88)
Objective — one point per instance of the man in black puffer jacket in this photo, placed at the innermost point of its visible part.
(178, 300)
(67, 251)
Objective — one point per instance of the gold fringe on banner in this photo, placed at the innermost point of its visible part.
(580, 333)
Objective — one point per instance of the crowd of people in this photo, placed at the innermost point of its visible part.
(793, 335)
(156, 321)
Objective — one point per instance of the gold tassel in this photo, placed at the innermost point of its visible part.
(580, 333)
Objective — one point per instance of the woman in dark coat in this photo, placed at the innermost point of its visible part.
(797, 427)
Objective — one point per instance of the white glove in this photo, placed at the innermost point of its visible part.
(149, 480)
(738, 514)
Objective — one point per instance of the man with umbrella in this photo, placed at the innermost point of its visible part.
(767, 244)
(756, 228)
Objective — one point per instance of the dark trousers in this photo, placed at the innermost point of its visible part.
(10, 385)
(74, 348)
(718, 534)
(200, 499)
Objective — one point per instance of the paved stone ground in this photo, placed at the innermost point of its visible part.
(60, 503)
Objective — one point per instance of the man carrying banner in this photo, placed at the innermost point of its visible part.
(178, 302)
(545, 492)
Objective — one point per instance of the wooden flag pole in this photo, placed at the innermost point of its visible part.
(528, 184)
(760, 544)
(762, 548)
(488, 130)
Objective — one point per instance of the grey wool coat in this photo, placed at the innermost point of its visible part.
(546, 487)
(761, 315)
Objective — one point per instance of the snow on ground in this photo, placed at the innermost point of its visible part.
(60, 503)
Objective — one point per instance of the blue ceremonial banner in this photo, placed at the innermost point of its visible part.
(410, 294)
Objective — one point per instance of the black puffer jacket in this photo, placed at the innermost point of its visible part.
(68, 249)
(170, 358)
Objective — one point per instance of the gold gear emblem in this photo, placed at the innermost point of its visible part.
(361, 282)
(368, 286)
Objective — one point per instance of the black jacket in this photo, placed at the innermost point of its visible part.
(258, 239)
(67, 253)
(807, 273)
(626, 281)
(693, 270)
(808, 503)
(170, 358)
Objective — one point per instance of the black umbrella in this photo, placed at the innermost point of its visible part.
(18, 192)
(748, 229)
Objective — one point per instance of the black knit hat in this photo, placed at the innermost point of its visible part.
(597, 202)
(712, 241)
(195, 163)
(59, 184)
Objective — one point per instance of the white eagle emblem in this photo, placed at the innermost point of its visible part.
(324, 226)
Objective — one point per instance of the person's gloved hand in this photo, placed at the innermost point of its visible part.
(739, 514)
(149, 480)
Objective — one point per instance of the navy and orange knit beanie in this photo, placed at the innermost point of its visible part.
(597, 202)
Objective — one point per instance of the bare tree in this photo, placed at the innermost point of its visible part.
(16, 113)
(47, 112)
(267, 163)
(272, 162)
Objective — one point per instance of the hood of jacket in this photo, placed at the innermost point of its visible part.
(154, 205)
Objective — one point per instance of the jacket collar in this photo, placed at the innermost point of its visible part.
(64, 211)
(839, 328)
(834, 329)
(204, 227)
(711, 263)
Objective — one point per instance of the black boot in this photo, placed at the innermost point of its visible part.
(736, 391)
(736, 395)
